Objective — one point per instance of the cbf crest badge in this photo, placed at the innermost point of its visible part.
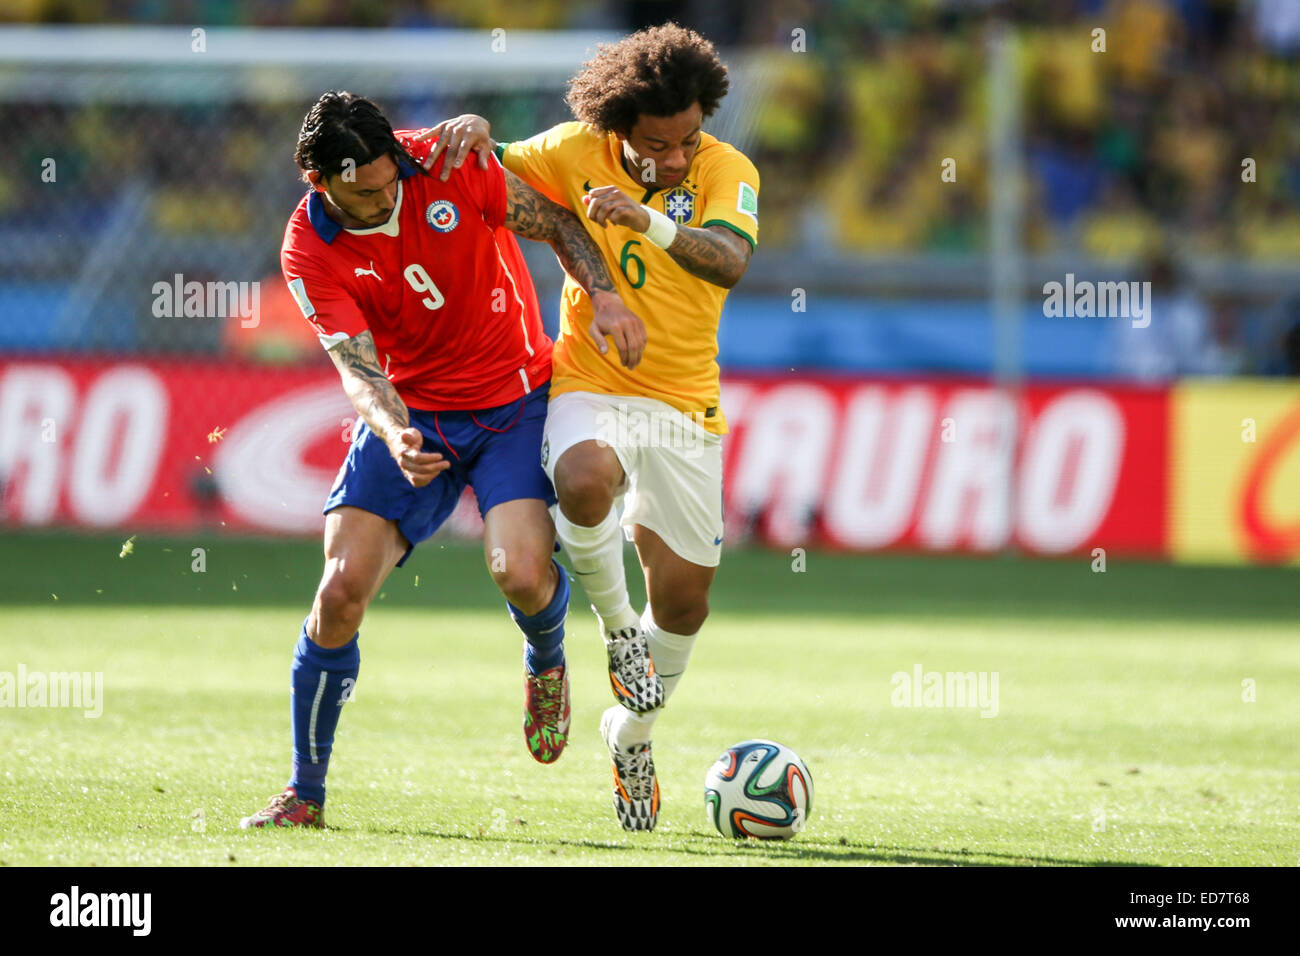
(442, 215)
(679, 204)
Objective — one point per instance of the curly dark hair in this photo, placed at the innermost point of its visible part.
(341, 126)
(659, 71)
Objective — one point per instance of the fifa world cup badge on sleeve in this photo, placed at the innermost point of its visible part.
(299, 293)
(747, 201)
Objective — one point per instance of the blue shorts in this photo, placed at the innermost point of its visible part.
(495, 451)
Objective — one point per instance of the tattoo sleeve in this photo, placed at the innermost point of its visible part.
(533, 216)
(367, 387)
(715, 254)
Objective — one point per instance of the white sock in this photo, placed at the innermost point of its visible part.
(630, 729)
(597, 558)
(670, 653)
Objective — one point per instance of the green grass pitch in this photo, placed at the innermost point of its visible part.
(1123, 732)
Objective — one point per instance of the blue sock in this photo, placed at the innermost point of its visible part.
(322, 681)
(544, 631)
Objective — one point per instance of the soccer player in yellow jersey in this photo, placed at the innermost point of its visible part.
(675, 212)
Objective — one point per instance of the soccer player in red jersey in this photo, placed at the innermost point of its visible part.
(418, 291)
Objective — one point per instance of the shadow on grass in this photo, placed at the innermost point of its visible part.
(706, 845)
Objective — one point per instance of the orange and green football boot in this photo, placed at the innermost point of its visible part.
(546, 713)
(287, 809)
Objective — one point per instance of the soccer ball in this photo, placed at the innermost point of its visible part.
(758, 788)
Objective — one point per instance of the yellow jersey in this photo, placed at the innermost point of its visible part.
(679, 366)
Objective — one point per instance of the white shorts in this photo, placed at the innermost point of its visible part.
(673, 466)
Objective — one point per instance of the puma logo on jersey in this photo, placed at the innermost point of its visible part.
(368, 272)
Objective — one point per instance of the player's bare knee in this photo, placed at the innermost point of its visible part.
(341, 602)
(526, 583)
(585, 484)
(681, 617)
(587, 511)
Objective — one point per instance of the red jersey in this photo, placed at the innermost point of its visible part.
(441, 286)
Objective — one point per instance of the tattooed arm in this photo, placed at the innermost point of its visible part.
(380, 407)
(533, 216)
(368, 388)
(714, 254)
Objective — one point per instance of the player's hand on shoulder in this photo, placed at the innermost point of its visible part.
(614, 319)
(457, 137)
(606, 204)
(419, 467)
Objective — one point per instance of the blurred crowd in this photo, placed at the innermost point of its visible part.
(1140, 132)
(1131, 135)
(1150, 127)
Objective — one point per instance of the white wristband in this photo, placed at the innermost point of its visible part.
(662, 230)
